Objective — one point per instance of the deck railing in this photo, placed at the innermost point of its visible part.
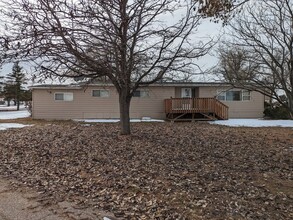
(197, 105)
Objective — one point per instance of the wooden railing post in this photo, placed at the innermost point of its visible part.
(196, 105)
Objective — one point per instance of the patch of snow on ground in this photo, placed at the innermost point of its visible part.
(254, 123)
(11, 108)
(14, 114)
(4, 126)
(116, 120)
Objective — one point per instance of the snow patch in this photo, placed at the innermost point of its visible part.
(97, 120)
(117, 120)
(11, 108)
(254, 123)
(14, 114)
(4, 126)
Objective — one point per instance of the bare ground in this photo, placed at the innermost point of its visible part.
(161, 171)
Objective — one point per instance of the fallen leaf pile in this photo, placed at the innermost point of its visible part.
(161, 171)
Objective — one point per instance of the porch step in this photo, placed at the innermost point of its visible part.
(191, 120)
(191, 117)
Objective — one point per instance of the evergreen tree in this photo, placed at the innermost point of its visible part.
(8, 92)
(13, 88)
(1, 89)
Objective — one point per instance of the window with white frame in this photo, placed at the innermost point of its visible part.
(63, 96)
(141, 93)
(245, 95)
(100, 93)
(234, 95)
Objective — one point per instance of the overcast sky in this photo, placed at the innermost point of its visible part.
(206, 30)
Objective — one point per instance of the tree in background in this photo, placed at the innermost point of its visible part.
(7, 92)
(260, 55)
(13, 88)
(131, 43)
(2, 102)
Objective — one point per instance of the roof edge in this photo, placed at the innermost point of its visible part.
(163, 84)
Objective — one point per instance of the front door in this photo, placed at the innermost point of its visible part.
(186, 93)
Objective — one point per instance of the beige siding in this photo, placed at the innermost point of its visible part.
(178, 92)
(152, 106)
(238, 109)
(84, 105)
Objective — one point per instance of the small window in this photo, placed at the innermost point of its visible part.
(136, 93)
(64, 96)
(101, 93)
(141, 93)
(221, 96)
(233, 95)
(245, 95)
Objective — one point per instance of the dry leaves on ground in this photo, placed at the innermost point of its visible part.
(161, 171)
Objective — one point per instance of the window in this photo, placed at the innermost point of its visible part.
(245, 95)
(64, 96)
(141, 93)
(221, 96)
(100, 93)
(234, 95)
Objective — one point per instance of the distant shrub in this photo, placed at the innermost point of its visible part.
(276, 111)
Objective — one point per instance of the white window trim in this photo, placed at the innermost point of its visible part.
(242, 95)
(64, 94)
(100, 93)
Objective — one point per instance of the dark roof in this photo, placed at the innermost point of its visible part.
(81, 85)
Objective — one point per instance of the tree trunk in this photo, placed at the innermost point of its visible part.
(290, 105)
(18, 103)
(124, 104)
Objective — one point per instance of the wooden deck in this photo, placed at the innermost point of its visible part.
(195, 109)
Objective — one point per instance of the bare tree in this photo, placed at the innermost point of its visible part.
(131, 42)
(235, 66)
(261, 50)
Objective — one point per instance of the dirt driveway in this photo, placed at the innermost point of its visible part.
(25, 204)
